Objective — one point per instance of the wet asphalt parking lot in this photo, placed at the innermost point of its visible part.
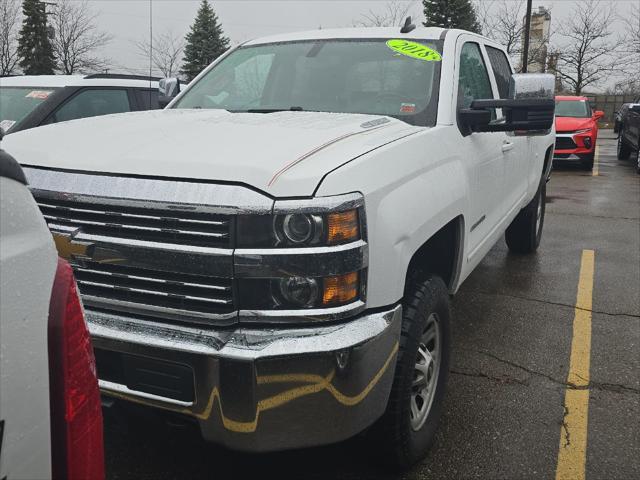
(507, 414)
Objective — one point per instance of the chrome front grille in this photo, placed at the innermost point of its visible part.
(144, 291)
(167, 226)
(145, 258)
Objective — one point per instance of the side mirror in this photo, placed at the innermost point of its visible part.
(529, 110)
(168, 89)
(635, 107)
(598, 114)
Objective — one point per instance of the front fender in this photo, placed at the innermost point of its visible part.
(412, 188)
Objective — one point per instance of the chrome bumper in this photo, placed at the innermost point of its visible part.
(266, 389)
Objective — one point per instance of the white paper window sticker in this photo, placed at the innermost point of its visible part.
(39, 94)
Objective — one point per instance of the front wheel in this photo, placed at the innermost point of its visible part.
(623, 150)
(587, 162)
(406, 431)
(525, 231)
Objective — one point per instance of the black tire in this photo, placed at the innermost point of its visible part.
(524, 234)
(623, 150)
(587, 162)
(393, 436)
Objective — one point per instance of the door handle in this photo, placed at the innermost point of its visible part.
(506, 146)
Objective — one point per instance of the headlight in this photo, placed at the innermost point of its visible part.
(584, 130)
(299, 229)
(297, 291)
(307, 257)
(292, 293)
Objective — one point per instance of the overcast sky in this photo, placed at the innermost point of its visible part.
(128, 20)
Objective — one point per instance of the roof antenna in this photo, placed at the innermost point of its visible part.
(408, 26)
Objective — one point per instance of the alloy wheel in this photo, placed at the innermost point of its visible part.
(426, 372)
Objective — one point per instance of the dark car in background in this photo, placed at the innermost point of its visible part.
(629, 133)
(34, 100)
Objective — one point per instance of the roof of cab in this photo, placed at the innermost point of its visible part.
(60, 81)
(430, 33)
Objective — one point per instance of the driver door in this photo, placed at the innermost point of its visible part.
(482, 151)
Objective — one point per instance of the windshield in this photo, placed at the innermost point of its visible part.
(18, 102)
(573, 108)
(344, 76)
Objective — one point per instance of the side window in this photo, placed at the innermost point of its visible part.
(589, 109)
(147, 99)
(501, 70)
(91, 103)
(473, 82)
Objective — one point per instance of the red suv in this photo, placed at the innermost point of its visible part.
(576, 130)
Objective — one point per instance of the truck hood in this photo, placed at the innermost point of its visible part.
(571, 124)
(282, 153)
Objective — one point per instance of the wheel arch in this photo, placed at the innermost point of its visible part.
(441, 254)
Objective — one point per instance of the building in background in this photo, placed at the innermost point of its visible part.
(538, 40)
(552, 67)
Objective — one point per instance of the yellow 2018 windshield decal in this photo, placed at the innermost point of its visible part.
(414, 50)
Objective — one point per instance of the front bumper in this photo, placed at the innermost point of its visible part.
(572, 146)
(261, 389)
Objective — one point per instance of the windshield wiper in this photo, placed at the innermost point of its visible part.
(272, 110)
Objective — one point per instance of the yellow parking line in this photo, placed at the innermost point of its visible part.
(573, 434)
(596, 170)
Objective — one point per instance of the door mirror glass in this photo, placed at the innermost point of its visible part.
(529, 110)
(168, 89)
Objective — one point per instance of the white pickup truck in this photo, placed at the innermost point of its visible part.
(272, 255)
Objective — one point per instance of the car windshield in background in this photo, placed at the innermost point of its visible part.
(343, 76)
(573, 108)
(16, 103)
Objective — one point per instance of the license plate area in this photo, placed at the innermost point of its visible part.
(146, 374)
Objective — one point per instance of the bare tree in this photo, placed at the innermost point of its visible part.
(165, 53)
(633, 29)
(631, 51)
(77, 38)
(9, 28)
(485, 14)
(503, 21)
(393, 14)
(589, 50)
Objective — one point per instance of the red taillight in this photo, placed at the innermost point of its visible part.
(77, 445)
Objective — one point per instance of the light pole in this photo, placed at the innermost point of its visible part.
(51, 31)
(527, 29)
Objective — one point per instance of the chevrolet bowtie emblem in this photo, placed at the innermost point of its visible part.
(78, 251)
(71, 249)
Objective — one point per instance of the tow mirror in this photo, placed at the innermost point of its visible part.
(529, 110)
(168, 89)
